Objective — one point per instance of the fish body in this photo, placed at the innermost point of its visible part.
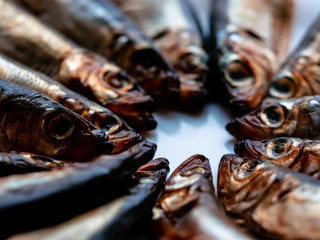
(112, 35)
(32, 122)
(296, 117)
(26, 40)
(294, 153)
(270, 200)
(251, 39)
(121, 135)
(188, 207)
(300, 74)
(171, 27)
(56, 195)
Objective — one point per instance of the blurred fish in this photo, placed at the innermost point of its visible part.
(112, 35)
(252, 39)
(121, 135)
(31, 122)
(57, 195)
(188, 207)
(270, 200)
(300, 74)
(169, 23)
(116, 219)
(25, 39)
(296, 117)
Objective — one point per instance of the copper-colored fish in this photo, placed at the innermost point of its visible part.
(121, 135)
(25, 39)
(270, 200)
(300, 74)
(252, 39)
(170, 25)
(296, 117)
(31, 122)
(116, 219)
(188, 207)
(294, 153)
(53, 196)
(112, 35)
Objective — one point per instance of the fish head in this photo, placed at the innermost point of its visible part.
(184, 185)
(281, 151)
(272, 119)
(246, 66)
(300, 77)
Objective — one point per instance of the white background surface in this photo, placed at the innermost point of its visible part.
(180, 135)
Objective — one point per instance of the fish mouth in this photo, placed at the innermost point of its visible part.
(155, 74)
(249, 148)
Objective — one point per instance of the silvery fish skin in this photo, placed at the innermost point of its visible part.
(25, 39)
(270, 200)
(170, 25)
(32, 122)
(116, 219)
(296, 117)
(294, 153)
(121, 135)
(188, 207)
(19, 163)
(300, 74)
(59, 194)
(252, 39)
(112, 35)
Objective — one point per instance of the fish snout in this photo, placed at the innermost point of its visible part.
(103, 140)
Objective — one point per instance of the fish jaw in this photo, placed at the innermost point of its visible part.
(246, 66)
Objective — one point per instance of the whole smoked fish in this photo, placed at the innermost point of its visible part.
(56, 195)
(31, 122)
(296, 117)
(170, 25)
(252, 39)
(25, 39)
(101, 27)
(188, 207)
(270, 200)
(116, 219)
(294, 153)
(300, 74)
(121, 135)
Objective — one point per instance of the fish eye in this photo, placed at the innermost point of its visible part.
(273, 116)
(247, 167)
(116, 80)
(283, 88)
(278, 148)
(107, 123)
(60, 126)
(238, 74)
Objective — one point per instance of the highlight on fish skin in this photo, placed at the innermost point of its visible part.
(296, 117)
(249, 51)
(55, 130)
(173, 30)
(300, 74)
(112, 35)
(45, 50)
(272, 201)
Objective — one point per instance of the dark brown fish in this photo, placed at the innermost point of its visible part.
(116, 219)
(112, 35)
(252, 39)
(25, 39)
(270, 200)
(171, 27)
(296, 117)
(54, 196)
(188, 207)
(32, 122)
(300, 74)
(294, 153)
(121, 135)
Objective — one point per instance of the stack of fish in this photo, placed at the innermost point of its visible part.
(79, 78)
